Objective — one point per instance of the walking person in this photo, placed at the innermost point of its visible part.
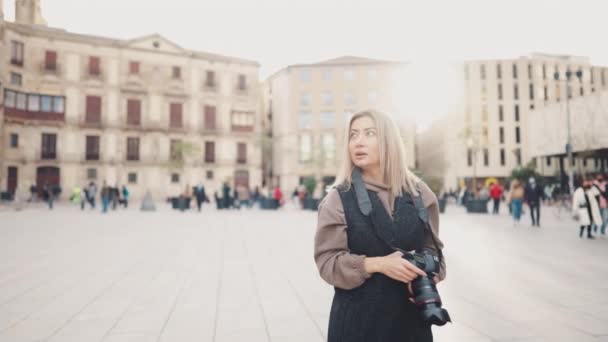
(533, 196)
(586, 208)
(91, 193)
(199, 194)
(602, 199)
(105, 197)
(125, 196)
(516, 200)
(371, 279)
(495, 194)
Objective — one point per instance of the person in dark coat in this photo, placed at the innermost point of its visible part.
(371, 279)
(201, 197)
(534, 194)
(226, 196)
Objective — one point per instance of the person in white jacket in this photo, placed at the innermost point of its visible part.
(587, 208)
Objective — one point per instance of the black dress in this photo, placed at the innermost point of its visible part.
(379, 310)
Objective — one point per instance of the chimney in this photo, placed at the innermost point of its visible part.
(28, 12)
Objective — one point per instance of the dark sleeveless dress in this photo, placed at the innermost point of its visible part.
(378, 310)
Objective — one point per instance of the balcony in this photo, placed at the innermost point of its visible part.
(23, 116)
(50, 69)
(17, 62)
(211, 87)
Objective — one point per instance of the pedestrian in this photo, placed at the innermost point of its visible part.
(47, 194)
(218, 201)
(226, 196)
(33, 191)
(105, 197)
(534, 195)
(199, 194)
(496, 191)
(256, 197)
(244, 196)
(91, 193)
(125, 196)
(586, 208)
(371, 278)
(278, 196)
(114, 196)
(516, 198)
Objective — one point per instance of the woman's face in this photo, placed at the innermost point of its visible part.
(363, 143)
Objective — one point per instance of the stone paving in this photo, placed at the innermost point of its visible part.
(68, 275)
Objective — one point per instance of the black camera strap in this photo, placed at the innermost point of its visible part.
(366, 208)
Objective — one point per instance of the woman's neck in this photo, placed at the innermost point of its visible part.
(373, 174)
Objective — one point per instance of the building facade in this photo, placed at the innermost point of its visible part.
(145, 112)
(306, 109)
(489, 136)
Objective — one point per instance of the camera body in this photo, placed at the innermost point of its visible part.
(424, 289)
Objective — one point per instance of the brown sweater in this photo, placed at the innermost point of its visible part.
(336, 264)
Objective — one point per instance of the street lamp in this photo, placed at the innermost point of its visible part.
(579, 75)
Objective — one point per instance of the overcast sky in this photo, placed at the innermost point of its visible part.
(277, 33)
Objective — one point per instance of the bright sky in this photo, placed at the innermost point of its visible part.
(281, 32)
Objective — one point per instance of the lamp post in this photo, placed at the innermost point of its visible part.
(556, 76)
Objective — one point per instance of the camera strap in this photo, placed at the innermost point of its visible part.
(366, 208)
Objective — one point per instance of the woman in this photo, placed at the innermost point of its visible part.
(585, 207)
(516, 198)
(371, 300)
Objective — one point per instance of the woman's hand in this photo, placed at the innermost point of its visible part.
(394, 266)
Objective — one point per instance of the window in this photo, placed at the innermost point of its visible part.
(132, 149)
(210, 78)
(517, 136)
(209, 152)
(498, 71)
(305, 99)
(175, 152)
(516, 92)
(133, 112)
(175, 178)
(305, 148)
(501, 115)
(133, 68)
(469, 157)
(305, 120)
(486, 157)
(92, 147)
(132, 178)
(328, 120)
(175, 115)
(21, 101)
(209, 175)
(327, 98)
(16, 53)
(372, 97)
(500, 91)
(482, 71)
(518, 155)
(33, 103)
(58, 104)
(93, 109)
(502, 157)
(10, 98)
(372, 74)
(349, 75)
(529, 71)
(14, 140)
(48, 148)
(328, 143)
(16, 79)
(241, 153)
(516, 113)
(242, 121)
(546, 93)
(176, 73)
(94, 66)
(544, 72)
(305, 76)
(242, 82)
(46, 104)
(50, 61)
(210, 121)
(549, 161)
(501, 135)
(515, 71)
(91, 173)
(349, 99)
(532, 92)
(582, 91)
(326, 75)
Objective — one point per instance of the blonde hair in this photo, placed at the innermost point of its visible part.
(393, 165)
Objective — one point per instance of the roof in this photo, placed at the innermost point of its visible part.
(152, 42)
